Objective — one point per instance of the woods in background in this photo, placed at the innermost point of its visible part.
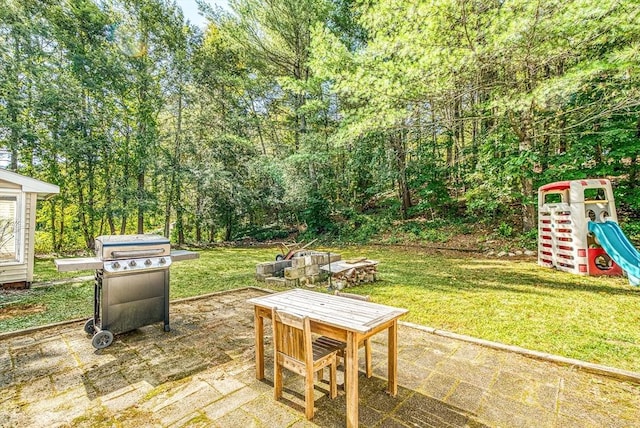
(320, 113)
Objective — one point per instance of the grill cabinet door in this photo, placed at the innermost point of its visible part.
(135, 300)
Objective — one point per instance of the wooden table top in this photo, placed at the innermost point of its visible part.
(342, 312)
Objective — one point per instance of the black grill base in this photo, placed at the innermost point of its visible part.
(125, 302)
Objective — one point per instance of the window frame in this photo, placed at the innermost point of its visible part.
(19, 235)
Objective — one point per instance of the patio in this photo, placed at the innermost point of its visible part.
(202, 374)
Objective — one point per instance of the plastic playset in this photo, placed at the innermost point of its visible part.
(578, 230)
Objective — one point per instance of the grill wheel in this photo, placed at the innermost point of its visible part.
(102, 339)
(90, 327)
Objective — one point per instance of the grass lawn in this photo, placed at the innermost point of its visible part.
(516, 302)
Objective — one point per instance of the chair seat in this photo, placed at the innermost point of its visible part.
(341, 347)
(322, 348)
(330, 343)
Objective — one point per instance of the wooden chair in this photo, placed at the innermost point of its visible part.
(294, 349)
(342, 346)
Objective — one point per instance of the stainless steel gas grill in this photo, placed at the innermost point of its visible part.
(131, 286)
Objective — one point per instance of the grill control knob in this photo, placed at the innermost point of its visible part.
(147, 262)
(115, 265)
(132, 263)
(162, 260)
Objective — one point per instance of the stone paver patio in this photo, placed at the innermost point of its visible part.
(201, 374)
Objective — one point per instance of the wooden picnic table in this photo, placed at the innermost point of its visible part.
(348, 320)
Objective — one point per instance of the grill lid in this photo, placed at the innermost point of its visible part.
(114, 247)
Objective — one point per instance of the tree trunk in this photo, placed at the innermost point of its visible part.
(528, 210)
(229, 227)
(62, 229)
(112, 224)
(198, 217)
(212, 233)
(179, 216)
(633, 167)
(141, 197)
(167, 209)
(52, 221)
(398, 143)
(123, 224)
(522, 128)
(82, 207)
(177, 176)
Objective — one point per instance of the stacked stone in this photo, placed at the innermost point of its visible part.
(271, 269)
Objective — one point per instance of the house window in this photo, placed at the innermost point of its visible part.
(10, 228)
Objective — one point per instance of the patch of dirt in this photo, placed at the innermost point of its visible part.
(19, 310)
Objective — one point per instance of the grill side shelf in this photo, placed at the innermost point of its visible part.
(180, 255)
(76, 263)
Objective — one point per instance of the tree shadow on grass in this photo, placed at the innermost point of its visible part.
(490, 275)
(518, 279)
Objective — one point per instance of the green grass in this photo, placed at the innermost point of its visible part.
(515, 302)
(595, 319)
(45, 270)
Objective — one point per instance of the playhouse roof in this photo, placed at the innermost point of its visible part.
(28, 184)
(558, 185)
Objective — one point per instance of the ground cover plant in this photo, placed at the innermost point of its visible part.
(506, 300)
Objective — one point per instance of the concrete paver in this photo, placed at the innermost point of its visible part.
(201, 374)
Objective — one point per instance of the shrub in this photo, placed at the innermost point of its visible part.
(529, 240)
(504, 230)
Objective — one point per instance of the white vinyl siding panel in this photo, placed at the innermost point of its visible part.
(30, 206)
(8, 185)
(13, 273)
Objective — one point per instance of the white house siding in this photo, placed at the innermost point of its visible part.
(8, 185)
(31, 202)
(19, 272)
(13, 273)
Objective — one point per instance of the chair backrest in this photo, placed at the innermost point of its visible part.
(353, 296)
(292, 335)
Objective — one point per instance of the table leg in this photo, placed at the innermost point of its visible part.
(392, 374)
(351, 365)
(259, 331)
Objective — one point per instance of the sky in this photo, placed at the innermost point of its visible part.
(190, 9)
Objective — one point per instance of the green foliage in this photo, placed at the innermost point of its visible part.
(434, 200)
(504, 230)
(528, 240)
(317, 214)
(343, 115)
(427, 231)
(355, 227)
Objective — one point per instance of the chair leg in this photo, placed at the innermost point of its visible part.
(367, 357)
(344, 371)
(333, 383)
(277, 379)
(308, 395)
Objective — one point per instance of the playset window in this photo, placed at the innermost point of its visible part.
(553, 198)
(594, 194)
